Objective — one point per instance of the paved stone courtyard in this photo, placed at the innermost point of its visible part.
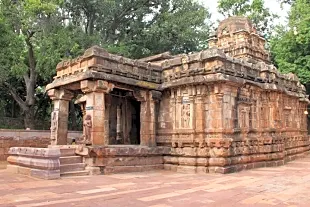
(275, 186)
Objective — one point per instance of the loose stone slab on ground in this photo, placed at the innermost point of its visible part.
(275, 186)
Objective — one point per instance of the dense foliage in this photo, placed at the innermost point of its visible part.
(255, 10)
(37, 34)
(291, 45)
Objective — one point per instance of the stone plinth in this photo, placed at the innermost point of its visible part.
(126, 158)
(36, 162)
(28, 138)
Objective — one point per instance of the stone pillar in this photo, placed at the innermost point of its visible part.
(154, 99)
(106, 119)
(94, 122)
(118, 124)
(148, 101)
(59, 117)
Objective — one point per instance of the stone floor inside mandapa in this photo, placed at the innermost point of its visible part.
(287, 185)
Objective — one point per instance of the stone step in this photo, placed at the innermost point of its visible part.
(74, 173)
(72, 167)
(64, 152)
(70, 160)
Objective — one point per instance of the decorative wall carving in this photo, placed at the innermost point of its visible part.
(185, 115)
(54, 125)
(87, 127)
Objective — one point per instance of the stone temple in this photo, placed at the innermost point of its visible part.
(221, 110)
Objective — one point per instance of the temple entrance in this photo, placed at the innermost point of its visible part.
(124, 118)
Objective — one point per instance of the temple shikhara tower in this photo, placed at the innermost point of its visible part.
(222, 110)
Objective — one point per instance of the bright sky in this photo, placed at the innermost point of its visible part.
(273, 5)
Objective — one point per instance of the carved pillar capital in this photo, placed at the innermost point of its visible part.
(156, 95)
(60, 94)
(140, 96)
(88, 86)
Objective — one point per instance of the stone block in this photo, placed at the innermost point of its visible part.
(259, 164)
(171, 160)
(36, 162)
(186, 169)
(271, 164)
(128, 161)
(223, 170)
(93, 170)
(213, 161)
(126, 169)
(202, 170)
(170, 167)
(45, 174)
(188, 161)
(12, 168)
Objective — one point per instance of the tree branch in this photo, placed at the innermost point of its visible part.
(16, 97)
(32, 63)
(31, 80)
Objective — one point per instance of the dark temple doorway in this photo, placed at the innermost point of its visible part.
(124, 118)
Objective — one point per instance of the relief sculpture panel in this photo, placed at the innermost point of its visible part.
(185, 113)
(87, 126)
(54, 125)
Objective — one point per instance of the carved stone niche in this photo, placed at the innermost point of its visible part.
(244, 116)
(185, 112)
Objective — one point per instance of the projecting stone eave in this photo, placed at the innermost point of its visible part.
(72, 82)
(97, 64)
(99, 57)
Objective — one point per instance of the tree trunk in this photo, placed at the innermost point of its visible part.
(29, 121)
(27, 105)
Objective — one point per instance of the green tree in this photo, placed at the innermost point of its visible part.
(286, 1)
(180, 27)
(143, 27)
(34, 39)
(255, 10)
(37, 34)
(291, 46)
